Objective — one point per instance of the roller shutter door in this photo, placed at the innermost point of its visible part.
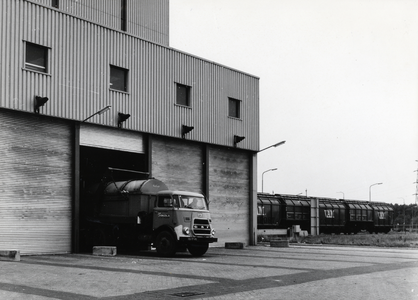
(111, 138)
(179, 164)
(36, 185)
(229, 185)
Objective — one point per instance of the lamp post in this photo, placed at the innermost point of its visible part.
(100, 112)
(370, 190)
(275, 145)
(343, 195)
(403, 215)
(262, 178)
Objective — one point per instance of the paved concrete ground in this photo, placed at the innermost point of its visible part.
(260, 272)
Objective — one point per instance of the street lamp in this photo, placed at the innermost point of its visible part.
(262, 178)
(275, 145)
(403, 214)
(343, 195)
(100, 112)
(370, 190)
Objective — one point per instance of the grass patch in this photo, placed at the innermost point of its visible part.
(392, 239)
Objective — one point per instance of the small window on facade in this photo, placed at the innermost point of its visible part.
(36, 57)
(55, 3)
(183, 95)
(123, 15)
(118, 79)
(234, 108)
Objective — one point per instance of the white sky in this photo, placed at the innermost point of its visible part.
(338, 82)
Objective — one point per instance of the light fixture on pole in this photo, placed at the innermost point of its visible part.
(343, 195)
(262, 178)
(275, 145)
(100, 112)
(370, 190)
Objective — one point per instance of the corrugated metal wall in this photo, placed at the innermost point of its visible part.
(147, 19)
(36, 183)
(111, 138)
(229, 178)
(180, 165)
(77, 82)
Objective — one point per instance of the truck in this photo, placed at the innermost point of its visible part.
(148, 214)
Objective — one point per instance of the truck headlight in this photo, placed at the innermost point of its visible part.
(186, 230)
(213, 231)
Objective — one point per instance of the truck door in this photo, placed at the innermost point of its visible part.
(164, 211)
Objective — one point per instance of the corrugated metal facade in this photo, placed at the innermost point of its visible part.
(111, 138)
(77, 81)
(147, 19)
(178, 164)
(229, 181)
(36, 183)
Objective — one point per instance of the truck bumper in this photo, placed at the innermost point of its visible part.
(193, 239)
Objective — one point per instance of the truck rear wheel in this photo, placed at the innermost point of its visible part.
(198, 249)
(165, 244)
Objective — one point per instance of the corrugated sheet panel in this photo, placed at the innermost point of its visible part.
(229, 177)
(111, 138)
(77, 81)
(147, 19)
(179, 165)
(36, 185)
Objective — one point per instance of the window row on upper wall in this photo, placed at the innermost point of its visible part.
(36, 59)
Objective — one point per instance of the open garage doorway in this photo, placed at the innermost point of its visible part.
(101, 147)
(95, 172)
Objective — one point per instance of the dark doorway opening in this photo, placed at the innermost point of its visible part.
(94, 173)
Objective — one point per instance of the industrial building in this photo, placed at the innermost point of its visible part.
(86, 85)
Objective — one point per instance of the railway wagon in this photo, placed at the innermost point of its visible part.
(332, 216)
(359, 216)
(382, 216)
(283, 211)
(280, 211)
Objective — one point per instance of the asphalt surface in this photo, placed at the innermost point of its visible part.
(255, 272)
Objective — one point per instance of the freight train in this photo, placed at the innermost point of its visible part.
(278, 211)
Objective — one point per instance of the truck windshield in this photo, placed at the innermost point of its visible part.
(191, 202)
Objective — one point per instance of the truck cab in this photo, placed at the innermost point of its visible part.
(182, 218)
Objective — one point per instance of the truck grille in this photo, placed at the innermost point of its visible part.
(201, 226)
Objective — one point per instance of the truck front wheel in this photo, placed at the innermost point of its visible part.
(165, 244)
(198, 249)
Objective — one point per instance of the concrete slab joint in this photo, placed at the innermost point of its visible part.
(10, 255)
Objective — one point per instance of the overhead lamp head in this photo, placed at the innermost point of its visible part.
(103, 110)
(238, 139)
(185, 129)
(122, 118)
(39, 102)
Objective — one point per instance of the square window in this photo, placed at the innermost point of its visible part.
(55, 3)
(36, 57)
(183, 95)
(118, 79)
(234, 108)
